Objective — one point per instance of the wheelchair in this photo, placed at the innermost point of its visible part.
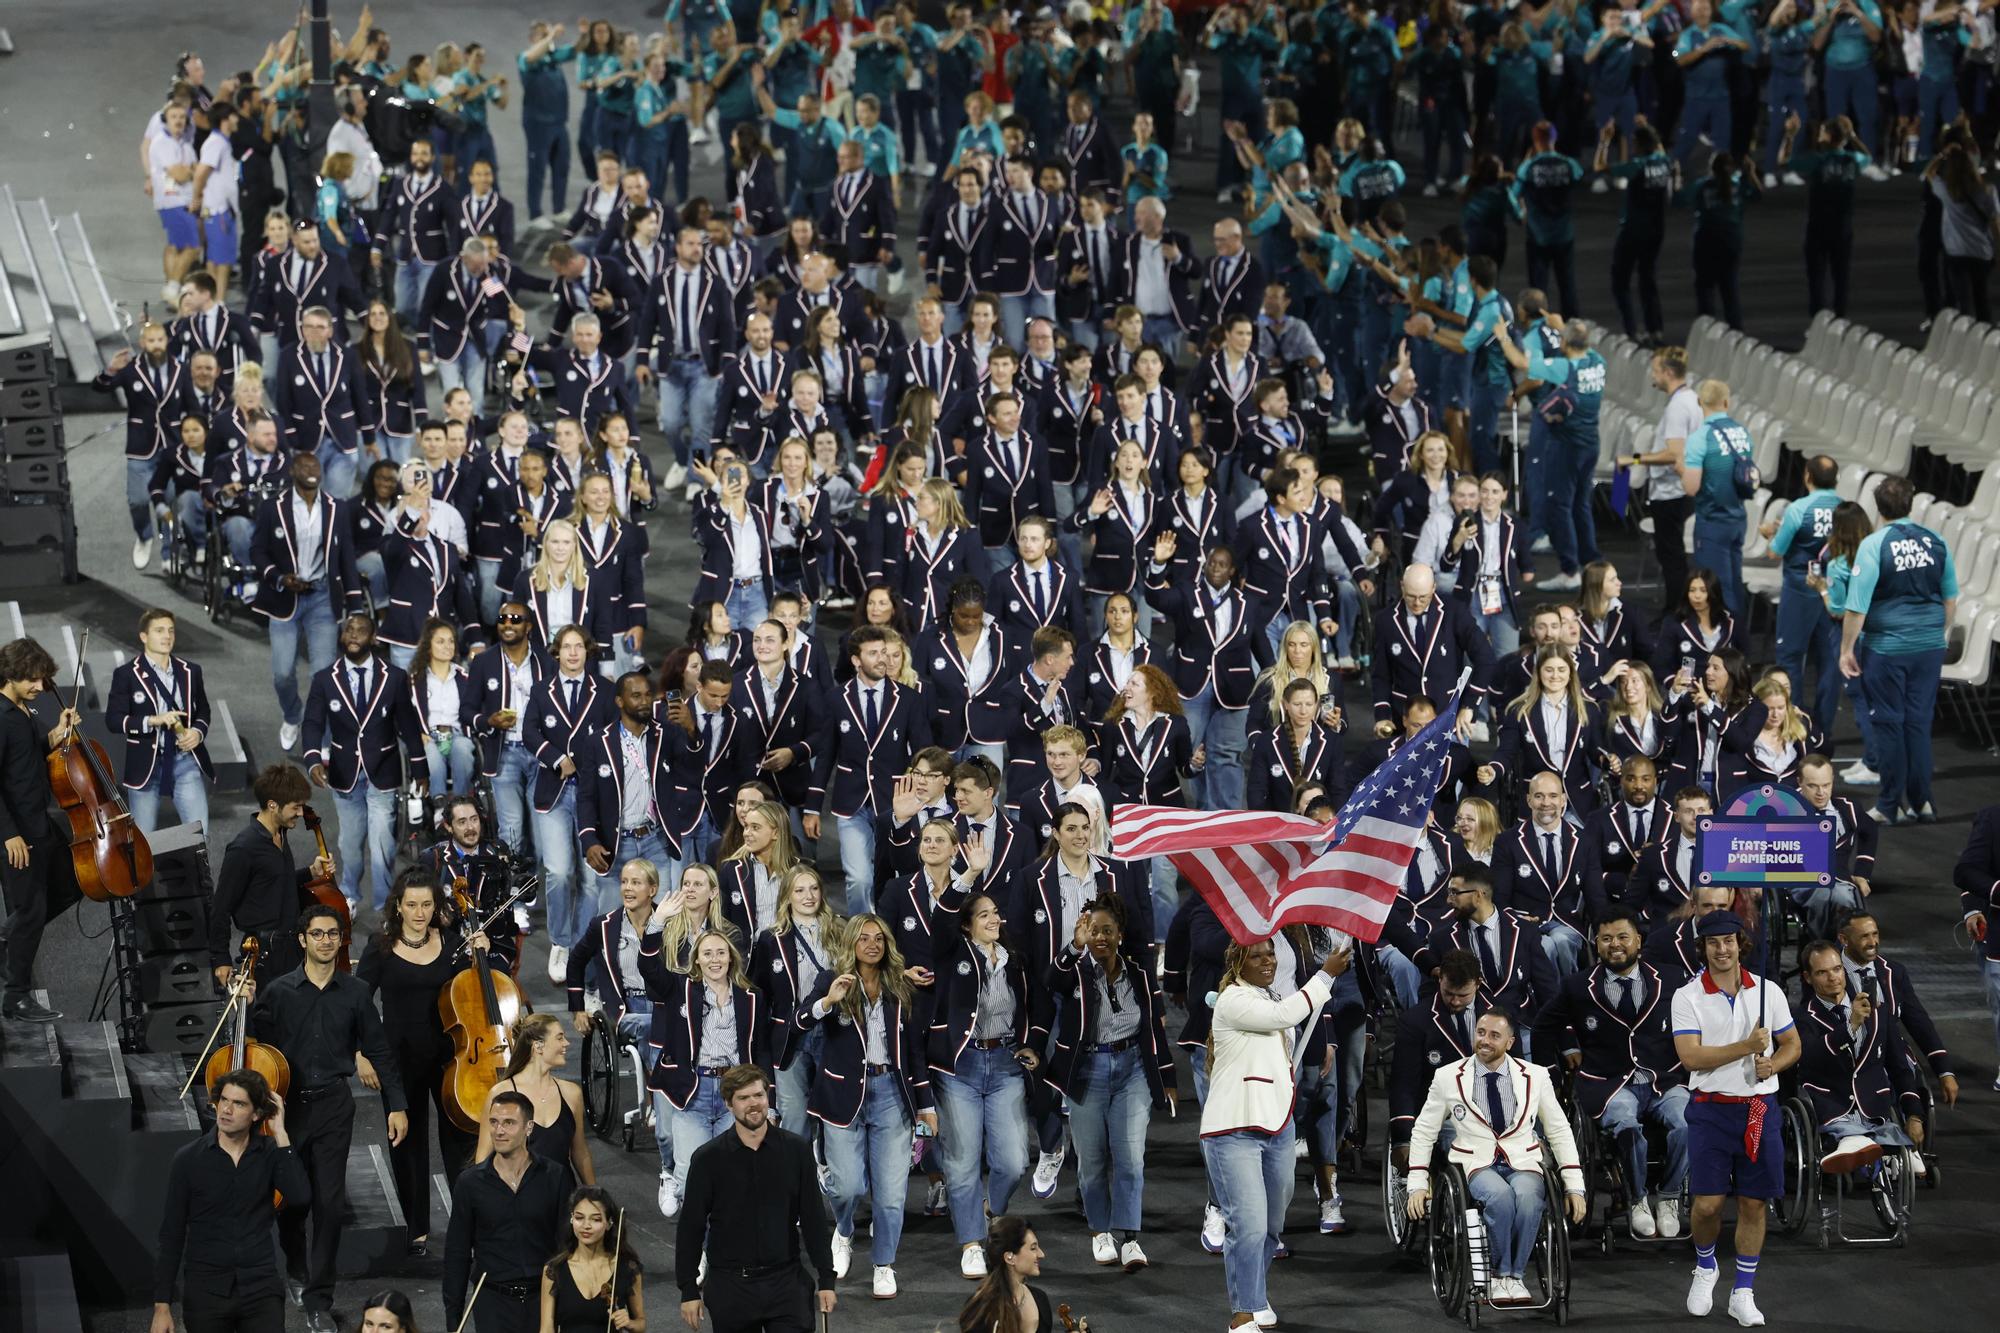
(1604, 1175)
(1815, 1198)
(1455, 1247)
(608, 1060)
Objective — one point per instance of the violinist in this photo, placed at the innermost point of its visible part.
(31, 837)
(320, 1018)
(485, 867)
(407, 964)
(258, 891)
(215, 1231)
(157, 703)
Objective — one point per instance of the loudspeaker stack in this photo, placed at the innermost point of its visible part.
(37, 516)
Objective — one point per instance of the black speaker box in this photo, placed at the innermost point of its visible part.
(180, 864)
(27, 358)
(173, 925)
(37, 399)
(40, 435)
(176, 978)
(35, 475)
(180, 1029)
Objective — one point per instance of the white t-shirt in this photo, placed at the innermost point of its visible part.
(218, 192)
(1720, 1018)
(162, 153)
(1679, 421)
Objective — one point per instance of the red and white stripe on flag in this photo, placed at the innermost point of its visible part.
(1155, 830)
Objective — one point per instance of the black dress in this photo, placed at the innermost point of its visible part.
(577, 1313)
(410, 1020)
(554, 1142)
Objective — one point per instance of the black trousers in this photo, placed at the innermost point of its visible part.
(322, 1128)
(209, 1311)
(29, 908)
(1669, 516)
(1637, 254)
(1829, 256)
(777, 1304)
(410, 1160)
(1715, 290)
(509, 1307)
(1966, 278)
(1557, 264)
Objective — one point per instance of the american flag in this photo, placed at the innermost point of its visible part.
(1262, 872)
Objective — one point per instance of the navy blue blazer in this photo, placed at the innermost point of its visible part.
(955, 1007)
(584, 394)
(274, 550)
(1074, 977)
(1009, 601)
(590, 964)
(327, 281)
(135, 695)
(554, 731)
(311, 407)
(922, 925)
(486, 692)
(927, 572)
(498, 534)
(839, 1086)
(1583, 1016)
(368, 736)
(716, 533)
(422, 219)
(457, 307)
(1430, 663)
(660, 337)
(1426, 1038)
(861, 217)
(1526, 749)
(1034, 925)
(680, 1005)
(854, 768)
(1273, 770)
(388, 405)
(1201, 656)
(492, 216)
(1848, 1072)
(588, 606)
(963, 714)
(1144, 768)
(998, 497)
(600, 786)
(1562, 892)
(1122, 546)
(426, 578)
(618, 322)
(793, 721)
(1100, 690)
(223, 332)
(1018, 244)
(953, 255)
(774, 969)
(1471, 558)
(617, 567)
(1610, 856)
(1526, 979)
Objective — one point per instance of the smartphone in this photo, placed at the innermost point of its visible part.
(1687, 666)
(1816, 569)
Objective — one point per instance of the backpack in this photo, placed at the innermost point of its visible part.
(1743, 474)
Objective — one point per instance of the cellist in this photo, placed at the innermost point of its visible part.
(320, 1018)
(32, 839)
(258, 890)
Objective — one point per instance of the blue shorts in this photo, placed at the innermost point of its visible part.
(219, 234)
(183, 228)
(1719, 1164)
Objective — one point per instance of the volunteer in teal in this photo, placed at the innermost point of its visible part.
(1851, 526)
(1541, 198)
(660, 128)
(1609, 58)
(1439, 68)
(1806, 635)
(732, 88)
(1710, 473)
(545, 113)
(1788, 34)
(1647, 178)
(1490, 378)
(1703, 53)
(964, 54)
(1031, 73)
(618, 79)
(791, 71)
(1903, 593)
(596, 57)
(1243, 48)
(1517, 90)
(1945, 39)
(1576, 394)
(1718, 202)
(813, 155)
(1830, 172)
(475, 89)
(916, 115)
(881, 60)
(1848, 34)
(1369, 56)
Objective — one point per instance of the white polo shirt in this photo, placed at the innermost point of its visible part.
(1719, 1018)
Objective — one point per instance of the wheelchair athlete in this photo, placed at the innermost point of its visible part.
(1494, 1102)
(1611, 1025)
(1854, 1071)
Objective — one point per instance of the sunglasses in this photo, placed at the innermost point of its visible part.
(512, 618)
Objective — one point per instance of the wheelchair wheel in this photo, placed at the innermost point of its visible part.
(1449, 1248)
(215, 577)
(1403, 1233)
(1895, 1191)
(1551, 1257)
(601, 1075)
(1799, 1140)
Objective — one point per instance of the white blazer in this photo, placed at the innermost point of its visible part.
(1251, 1084)
(1457, 1090)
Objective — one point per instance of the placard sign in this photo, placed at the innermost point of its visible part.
(1735, 851)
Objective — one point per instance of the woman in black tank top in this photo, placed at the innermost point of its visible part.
(538, 1046)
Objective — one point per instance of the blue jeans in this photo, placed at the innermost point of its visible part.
(1316, 1112)
(1719, 546)
(238, 531)
(399, 448)
(1851, 92)
(872, 1157)
(1563, 945)
(555, 844)
(637, 1024)
(467, 370)
(452, 772)
(1511, 1202)
(1403, 974)
(511, 788)
(1857, 699)
(1808, 635)
(1107, 1123)
(982, 1112)
(139, 495)
(487, 572)
(1219, 784)
(1708, 117)
(746, 604)
(412, 276)
(795, 1083)
(687, 406)
(697, 848)
(314, 623)
(366, 812)
(1016, 311)
(548, 155)
(177, 777)
(1162, 331)
(857, 859)
(192, 518)
(1499, 628)
(1624, 1119)
(1251, 1177)
(1902, 701)
(706, 1116)
(1570, 481)
(340, 469)
(369, 566)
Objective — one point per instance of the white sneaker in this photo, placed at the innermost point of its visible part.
(698, 135)
(1132, 1257)
(249, 590)
(142, 553)
(1851, 1152)
(692, 493)
(1874, 172)
(897, 282)
(1561, 583)
(558, 964)
(676, 476)
(972, 1262)
(1667, 1213)
(1298, 1147)
(1265, 1318)
(1345, 664)
(1225, 196)
(1214, 1231)
(288, 736)
(1542, 544)
(1047, 1167)
(843, 1254)
(1743, 1308)
(1641, 1221)
(1917, 1165)
(938, 1202)
(1771, 180)
(1793, 178)
(1509, 1291)
(1103, 1249)
(428, 366)
(1331, 1222)
(1858, 774)
(1621, 182)
(1600, 186)
(523, 923)
(1431, 190)
(885, 1283)
(170, 293)
(1701, 1291)
(670, 1194)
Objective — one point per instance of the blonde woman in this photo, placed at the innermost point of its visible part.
(1638, 720)
(1474, 829)
(786, 963)
(943, 548)
(751, 875)
(1299, 658)
(684, 914)
(537, 1047)
(1768, 744)
(865, 1006)
(1552, 728)
(614, 554)
(705, 1019)
(557, 588)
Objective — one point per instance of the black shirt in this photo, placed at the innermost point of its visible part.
(258, 890)
(752, 1207)
(410, 994)
(25, 795)
(512, 1231)
(319, 1029)
(218, 1213)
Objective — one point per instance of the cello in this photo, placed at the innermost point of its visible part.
(476, 1009)
(244, 1052)
(109, 853)
(321, 891)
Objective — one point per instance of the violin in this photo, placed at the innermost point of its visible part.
(476, 1009)
(321, 891)
(110, 854)
(1069, 1324)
